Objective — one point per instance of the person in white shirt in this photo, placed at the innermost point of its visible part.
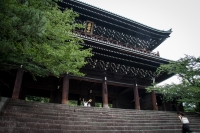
(85, 103)
(88, 104)
(184, 122)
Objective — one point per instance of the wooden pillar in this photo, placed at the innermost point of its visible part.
(104, 93)
(18, 82)
(154, 101)
(153, 97)
(65, 89)
(136, 96)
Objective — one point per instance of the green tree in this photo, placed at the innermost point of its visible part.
(38, 35)
(72, 103)
(188, 90)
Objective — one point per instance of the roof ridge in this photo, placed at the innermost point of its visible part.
(125, 18)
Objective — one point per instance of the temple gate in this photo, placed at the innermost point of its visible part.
(122, 67)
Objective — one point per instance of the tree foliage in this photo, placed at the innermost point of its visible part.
(188, 90)
(38, 35)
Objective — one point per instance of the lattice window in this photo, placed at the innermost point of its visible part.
(119, 68)
(118, 37)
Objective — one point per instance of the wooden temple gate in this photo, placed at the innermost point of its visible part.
(122, 66)
(59, 90)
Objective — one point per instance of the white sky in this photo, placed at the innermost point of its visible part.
(183, 16)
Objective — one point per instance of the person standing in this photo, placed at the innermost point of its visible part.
(184, 122)
(85, 103)
(89, 102)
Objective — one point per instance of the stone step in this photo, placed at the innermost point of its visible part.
(28, 130)
(61, 106)
(97, 115)
(20, 116)
(35, 120)
(33, 125)
(39, 120)
(102, 119)
(56, 112)
(191, 118)
(91, 115)
(18, 102)
(88, 109)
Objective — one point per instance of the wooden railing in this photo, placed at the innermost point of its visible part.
(110, 40)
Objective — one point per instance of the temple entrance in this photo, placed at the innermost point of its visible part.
(118, 95)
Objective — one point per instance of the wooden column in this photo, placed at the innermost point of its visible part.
(18, 82)
(154, 101)
(153, 96)
(65, 89)
(104, 93)
(136, 96)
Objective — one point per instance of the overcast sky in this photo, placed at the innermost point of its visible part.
(183, 16)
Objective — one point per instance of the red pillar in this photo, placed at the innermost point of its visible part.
(65, 89)
(153, 97)
(136, 97)
(104, 94)
(18, 82)
(154, 101)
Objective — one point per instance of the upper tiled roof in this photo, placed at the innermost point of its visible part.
(102, 11)
(122, 24)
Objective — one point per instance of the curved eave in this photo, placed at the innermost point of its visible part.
(126, 50)
(118, 17)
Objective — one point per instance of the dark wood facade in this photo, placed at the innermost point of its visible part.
(122, 66)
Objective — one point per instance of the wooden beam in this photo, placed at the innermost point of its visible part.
(109, 82)
(88, 79)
